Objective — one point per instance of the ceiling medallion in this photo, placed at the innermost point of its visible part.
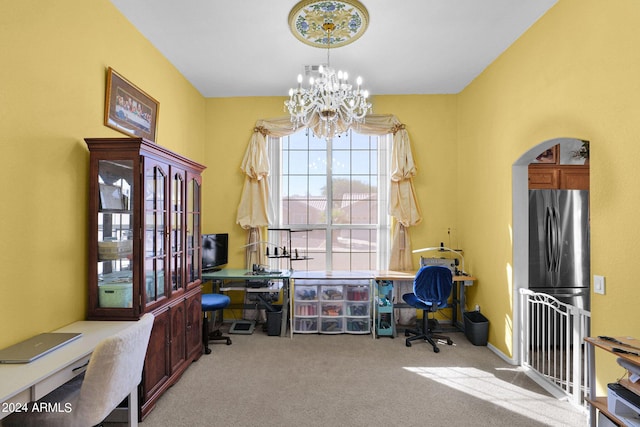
(349, 19)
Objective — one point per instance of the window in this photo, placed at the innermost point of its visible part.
(333, 194)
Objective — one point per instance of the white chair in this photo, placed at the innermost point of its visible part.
(113, 373)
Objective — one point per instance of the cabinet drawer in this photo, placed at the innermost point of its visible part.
(51, 383)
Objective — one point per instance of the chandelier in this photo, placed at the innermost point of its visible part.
(330, 105)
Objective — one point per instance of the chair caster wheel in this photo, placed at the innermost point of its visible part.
(407, 333)
(436, 350)
(228, 341)
(207, 351)
(449, 342)
(408, 344)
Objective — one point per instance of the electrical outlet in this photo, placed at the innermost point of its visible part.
(598, 284)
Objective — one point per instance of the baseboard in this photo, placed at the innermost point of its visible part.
(501, 355)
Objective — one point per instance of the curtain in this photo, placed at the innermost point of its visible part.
(255, 210)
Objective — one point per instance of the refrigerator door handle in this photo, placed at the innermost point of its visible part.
(556, 239)
(548, 231)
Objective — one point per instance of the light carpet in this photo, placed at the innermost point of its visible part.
(355, 380)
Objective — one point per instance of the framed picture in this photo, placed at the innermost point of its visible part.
(549, 156)
(128, 109)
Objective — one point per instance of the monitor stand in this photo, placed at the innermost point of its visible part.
(244, 327)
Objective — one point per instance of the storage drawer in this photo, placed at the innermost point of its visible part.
(358, 308)
(51, 383)
(331, 309)
(332, 325)
(305, 325)
(305, 309)
(305, 293)
(357, 293)
(331, 293)
(358, 325)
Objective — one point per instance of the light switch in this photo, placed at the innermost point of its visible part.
(598, 284)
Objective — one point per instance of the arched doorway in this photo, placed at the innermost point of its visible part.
(520, 215)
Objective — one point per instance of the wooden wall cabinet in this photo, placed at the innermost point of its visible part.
(145, 251)
(564, 177)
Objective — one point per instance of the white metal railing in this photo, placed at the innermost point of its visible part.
(552, 343)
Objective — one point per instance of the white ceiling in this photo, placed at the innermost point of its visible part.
(245, 48)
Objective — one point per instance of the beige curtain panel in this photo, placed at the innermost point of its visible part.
(255, 210)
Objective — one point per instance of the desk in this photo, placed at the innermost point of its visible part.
(242, 274)
(458, 291)
(23, 383)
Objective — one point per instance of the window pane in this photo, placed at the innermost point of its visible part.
(317, 186)
(360, 162)
(353, 249)
(360, 142)
(341, 162)
(298, 143)
(317, 164)
(298, 162)
(295, 211)
(298, 186)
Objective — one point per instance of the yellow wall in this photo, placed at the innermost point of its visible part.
(573, 74)
(230, 123)
(54, 61)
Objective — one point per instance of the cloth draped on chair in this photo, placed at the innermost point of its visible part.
(255, 210)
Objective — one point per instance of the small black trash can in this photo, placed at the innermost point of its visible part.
(274, 321)
(476, 327)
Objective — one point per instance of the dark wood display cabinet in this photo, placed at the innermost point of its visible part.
(145, 251)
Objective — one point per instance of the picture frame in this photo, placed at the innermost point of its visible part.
(549, 156)
(128, 109)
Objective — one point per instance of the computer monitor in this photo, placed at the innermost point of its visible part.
(215, 251)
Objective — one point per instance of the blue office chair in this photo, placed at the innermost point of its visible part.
(212, 303)
(431, 289)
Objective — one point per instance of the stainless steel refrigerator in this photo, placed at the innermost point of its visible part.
(559, 249)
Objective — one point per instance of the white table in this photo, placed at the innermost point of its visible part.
(23, 383)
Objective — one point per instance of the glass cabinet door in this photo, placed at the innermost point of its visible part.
(155, 231)
(176, 245)
(194, 257)
(115, 233)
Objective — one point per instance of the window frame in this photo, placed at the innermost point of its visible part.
(382, 225)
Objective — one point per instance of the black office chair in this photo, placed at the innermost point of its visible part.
(431, 289)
